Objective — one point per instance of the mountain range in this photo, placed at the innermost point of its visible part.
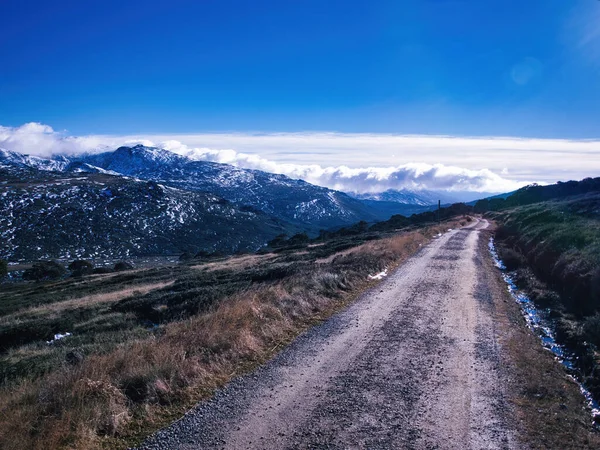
(141, 200)
(422, 197)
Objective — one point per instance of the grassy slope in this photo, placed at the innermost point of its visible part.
(549, 410)
(555, 248)
(216, 319)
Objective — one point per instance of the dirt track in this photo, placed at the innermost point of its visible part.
(413, 363)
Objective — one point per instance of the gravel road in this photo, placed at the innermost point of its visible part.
(412, 364)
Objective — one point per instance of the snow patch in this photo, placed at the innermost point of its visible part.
(58, 337)
(378, 276)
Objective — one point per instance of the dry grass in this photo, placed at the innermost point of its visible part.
(236, 262)
(53, 309)
(394, 245)
(116, 398)
(76, 406)
(335, 255)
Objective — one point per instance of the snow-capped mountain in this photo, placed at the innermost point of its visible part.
(139, 201)
(9, 158)
(144, 200)
(409, 197)
(71, 215)
(407, 202)
(292, 200)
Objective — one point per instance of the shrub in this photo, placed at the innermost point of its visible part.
(122, 265)
(504, 232)
(595, 287)
(44, 270)
(81, 267)
(278, 241)
(298, 239)
(512, 259)
(186, 256)
(591, 329)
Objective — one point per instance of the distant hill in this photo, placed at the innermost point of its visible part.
(407, 197)
(422, 197)
(524, 196)
(407, 202)
(383, 210)
(535, 193)
(140, 200)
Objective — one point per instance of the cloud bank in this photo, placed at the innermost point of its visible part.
(352, 162)
(366, 179)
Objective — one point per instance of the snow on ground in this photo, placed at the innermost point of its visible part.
(58, 337)
(378, 276)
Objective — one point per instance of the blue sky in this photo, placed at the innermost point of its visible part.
(467, 95)
(517, 68)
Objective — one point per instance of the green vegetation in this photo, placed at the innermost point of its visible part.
(554, 246)
(44, 270)
(148, 343)
(535, 194)
(561, 242)
(398, 222)
(548, 406)
(122, 265)
(80, 267)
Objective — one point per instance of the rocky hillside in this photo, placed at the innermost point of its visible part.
(91, 215)
(296, 201)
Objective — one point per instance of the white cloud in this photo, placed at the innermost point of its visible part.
(353, 161)
(369, 179)
(41, 140)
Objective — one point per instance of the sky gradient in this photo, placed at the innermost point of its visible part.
(391, 68)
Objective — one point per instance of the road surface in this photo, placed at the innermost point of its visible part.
(413, 363)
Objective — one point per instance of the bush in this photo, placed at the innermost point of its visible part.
(278, 241)
(591, 329)
(512, 259)
(122, 265)
(299, 239)
(81, 267)
(503, 232)
(186, 256)
(44, 270)
(3, 268)
(595, 287)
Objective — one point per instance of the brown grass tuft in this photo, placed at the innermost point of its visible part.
(54, 309)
